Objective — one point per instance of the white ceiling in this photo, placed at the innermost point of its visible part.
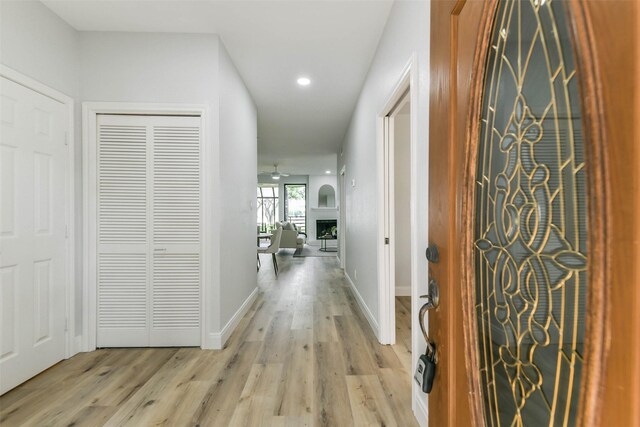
(271, 42)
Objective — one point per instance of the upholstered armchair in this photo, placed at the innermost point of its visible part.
(291, 237)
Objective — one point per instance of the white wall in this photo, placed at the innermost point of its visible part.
(402, 203)
(150, 67)
(40, 45)
(36, 42)
(406, 34)
(153, 68)
(238, 154)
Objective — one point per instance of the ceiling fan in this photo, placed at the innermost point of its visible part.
(275, 174)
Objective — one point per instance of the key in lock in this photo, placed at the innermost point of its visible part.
(426, 369)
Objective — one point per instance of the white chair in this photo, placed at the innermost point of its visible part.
(272, 249)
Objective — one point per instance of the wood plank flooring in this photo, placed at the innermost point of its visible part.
(304, 355)
(402, 346)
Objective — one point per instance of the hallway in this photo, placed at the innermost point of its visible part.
(303, 355)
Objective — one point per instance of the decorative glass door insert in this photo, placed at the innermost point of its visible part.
(530, 230)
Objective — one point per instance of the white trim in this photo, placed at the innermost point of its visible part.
(419, 219)
(403, 291)
(342, 217)
(34, 85)
(77, 344)
(420, 407)
(363, 306)
(217, 340)
(386, 257)
(70, 335)
(90, 110)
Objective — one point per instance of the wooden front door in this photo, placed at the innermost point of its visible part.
(532, 203)
(455, 26)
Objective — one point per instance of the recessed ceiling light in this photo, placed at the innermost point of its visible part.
(304, 81)
(327, 171)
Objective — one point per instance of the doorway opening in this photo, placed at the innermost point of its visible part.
(401, 230)
(397, 222)
(167, 258)
(295, 205)
(396, 204)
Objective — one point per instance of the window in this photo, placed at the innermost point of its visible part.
(295, 205)
(267, 207)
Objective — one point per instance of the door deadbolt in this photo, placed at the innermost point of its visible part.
(432, 254)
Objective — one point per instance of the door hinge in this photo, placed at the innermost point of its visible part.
(66, 324)
(66, 138)
(66, 231)
(386, 240)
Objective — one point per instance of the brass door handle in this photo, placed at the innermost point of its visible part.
(433, 297)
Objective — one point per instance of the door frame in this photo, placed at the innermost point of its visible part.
(342, 217)
(407, 82)
(72, 343)
(90, 111)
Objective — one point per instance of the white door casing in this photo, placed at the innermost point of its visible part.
(408, 80)
(402, 93)
(148, 228)
(34, 196)
(342, 209)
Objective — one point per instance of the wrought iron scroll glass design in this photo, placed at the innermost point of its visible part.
(530, 222)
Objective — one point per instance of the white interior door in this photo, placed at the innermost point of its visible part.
(148, 221)
(175, 231)
(123, 233)
(32, 233)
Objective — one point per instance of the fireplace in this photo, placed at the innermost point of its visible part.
(325, 227)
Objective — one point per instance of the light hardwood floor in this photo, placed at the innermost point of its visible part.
(402, 346)
(304, 355)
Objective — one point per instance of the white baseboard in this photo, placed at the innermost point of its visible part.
(76, 346)
(363, 306)
(420, 410)
(216, 340)
(212, 341)
(403, 291)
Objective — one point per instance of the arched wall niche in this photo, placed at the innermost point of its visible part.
(326, 196)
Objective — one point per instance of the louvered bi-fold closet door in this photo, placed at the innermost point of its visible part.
(123, 183)
(148, 231)
(175, 231)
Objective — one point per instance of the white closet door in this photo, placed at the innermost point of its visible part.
(175, 297)
(148, 231)
(123, 241)
(33, 260)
